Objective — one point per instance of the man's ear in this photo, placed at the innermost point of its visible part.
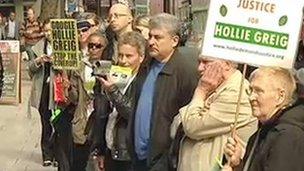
(141, 58)
(130, 19)
(175, 40)
(281, 97)
(226, 66)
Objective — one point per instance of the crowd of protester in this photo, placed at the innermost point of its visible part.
(176, 110)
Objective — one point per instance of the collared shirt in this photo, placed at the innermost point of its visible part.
(144, 111)
(11, 29)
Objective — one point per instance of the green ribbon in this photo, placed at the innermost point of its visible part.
(56, 115)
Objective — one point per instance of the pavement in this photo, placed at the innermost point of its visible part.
(20, 136)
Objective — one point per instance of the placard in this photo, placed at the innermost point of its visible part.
(120, 75)
(263, 32)
(11, 64)
(65, 44)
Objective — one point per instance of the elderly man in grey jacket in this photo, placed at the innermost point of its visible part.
(206, 120)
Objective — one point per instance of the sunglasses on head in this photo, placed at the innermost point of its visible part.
(83, 29)
(96, 45)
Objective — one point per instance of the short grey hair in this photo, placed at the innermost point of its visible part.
(283, 79)
(166, 21)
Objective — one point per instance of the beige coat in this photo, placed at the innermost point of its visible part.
(207, 125)
(80, 118)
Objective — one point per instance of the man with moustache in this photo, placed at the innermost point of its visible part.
(165, 83)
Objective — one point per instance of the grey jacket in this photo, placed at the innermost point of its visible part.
(36, 73)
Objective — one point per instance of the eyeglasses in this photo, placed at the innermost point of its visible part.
(95, 45)
(137, 30)
(115, 16)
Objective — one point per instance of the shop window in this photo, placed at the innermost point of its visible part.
(141, 7)
(6, 1)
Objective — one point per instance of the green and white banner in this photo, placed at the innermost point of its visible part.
(258, 32)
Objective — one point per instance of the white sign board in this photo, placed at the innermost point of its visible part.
(258, 32)
(11, 66)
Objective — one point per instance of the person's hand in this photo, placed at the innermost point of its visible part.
(39, 60)
(211, 79)
(233, 150)
(65, 81)
(100, 162)
(227, 168)
(43, 59)
(107, 83)
(48, 59)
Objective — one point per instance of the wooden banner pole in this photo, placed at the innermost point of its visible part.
(237, 113)
(233, 130)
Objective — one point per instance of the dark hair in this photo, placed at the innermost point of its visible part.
(89, 15)
(47, 21)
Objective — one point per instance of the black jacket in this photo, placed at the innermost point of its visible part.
(281, 143)
(103, 106)
(124, 105)
(174, 88)
(98, 120)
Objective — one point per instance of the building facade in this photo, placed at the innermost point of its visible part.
(17, 6)
(194, 11)
(43, 8)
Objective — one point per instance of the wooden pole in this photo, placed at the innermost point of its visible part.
(237, 113)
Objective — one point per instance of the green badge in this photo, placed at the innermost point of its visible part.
(223, 10)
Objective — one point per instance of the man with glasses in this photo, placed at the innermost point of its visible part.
(120, 21)
(278, 143)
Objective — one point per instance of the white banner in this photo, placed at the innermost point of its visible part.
(258, 32)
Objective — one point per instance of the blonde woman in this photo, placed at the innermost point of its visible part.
(141, 25)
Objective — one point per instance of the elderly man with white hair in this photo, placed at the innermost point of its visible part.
(278, 143)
